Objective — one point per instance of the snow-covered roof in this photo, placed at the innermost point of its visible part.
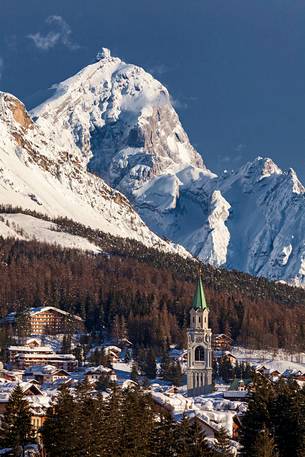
(112, 349)
(38, 349)
(32, 311)
(98, 370)
(236, 394)
(43, 370)
(47, 356)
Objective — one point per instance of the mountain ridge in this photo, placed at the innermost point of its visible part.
(38, 174)
(248, 219)
(116, 121)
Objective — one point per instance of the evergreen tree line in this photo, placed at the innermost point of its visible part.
(145, 295)
(125, 424)
(274, 424)
(145, 365)
(224, 369)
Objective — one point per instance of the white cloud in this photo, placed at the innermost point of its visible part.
(1, 67)
(60, 34)
(158, 69)
(240, 147)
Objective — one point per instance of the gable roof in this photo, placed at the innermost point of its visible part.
(32, 311)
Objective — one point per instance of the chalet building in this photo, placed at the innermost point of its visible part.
(15, 351)
(47, 320)
(226, 357)
(38, 402)
(94, 374)
(66, 362)
(12, 376)
(113, 353)
(46, 374)
(262, 370)
(221, 342)
(30, 354)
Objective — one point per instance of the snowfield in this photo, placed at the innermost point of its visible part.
(275, 360)
(24, 227)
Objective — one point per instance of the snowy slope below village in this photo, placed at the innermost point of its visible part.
(118, 121)
(37, 173)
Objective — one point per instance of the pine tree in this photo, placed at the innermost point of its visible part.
(16, 425)
(60, 431)
(150, 367)
(112, 421)
(66, 344)
(137, 424)
(258, 414)
(162, 440)
(103, 382)
(264, 445)
(23, 323)
(222, 445)
(173, 373)
(84, 410)
(190, 441)
(134, 375)
(165, 361)
(115, 328)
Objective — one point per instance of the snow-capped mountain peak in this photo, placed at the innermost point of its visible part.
(116, 120)
(120, 120)
(104, 53)
(120, 123)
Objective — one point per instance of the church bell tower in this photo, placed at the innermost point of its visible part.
(199, 346)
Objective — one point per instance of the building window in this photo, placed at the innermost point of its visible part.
(199, 354)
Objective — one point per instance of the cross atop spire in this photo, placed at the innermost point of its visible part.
(199, 301)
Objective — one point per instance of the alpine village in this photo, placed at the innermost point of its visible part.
(149, 307)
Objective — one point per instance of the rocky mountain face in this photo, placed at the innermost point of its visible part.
(117, 121)
(43, 175)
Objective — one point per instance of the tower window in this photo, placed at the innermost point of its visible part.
(199, 319)
(199, 354)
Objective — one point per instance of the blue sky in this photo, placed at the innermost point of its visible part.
(235, 68)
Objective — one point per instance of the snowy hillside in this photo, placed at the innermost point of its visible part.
(41, 174)
(119, 122)
(25, 227)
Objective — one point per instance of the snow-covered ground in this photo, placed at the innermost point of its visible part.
(37, 173)
(25, 227)
(276, 360)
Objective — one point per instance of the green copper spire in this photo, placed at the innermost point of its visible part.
(199, 301)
